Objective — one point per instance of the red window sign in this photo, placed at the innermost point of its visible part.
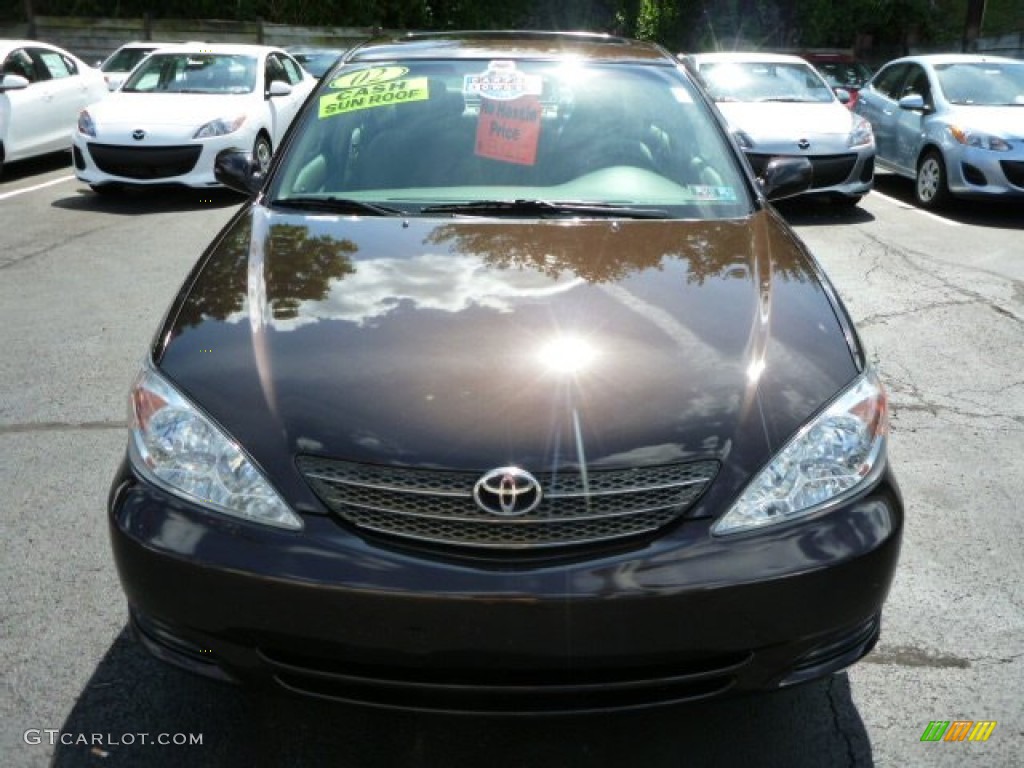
(509, 130)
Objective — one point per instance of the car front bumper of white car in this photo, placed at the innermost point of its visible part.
(115, 159)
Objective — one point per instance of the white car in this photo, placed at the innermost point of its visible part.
(780, 106)
(42, 90)
(118, 65)
(180, 107)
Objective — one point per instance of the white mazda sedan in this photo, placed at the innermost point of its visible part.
(182, 106)
(42, 90)
(780, 106)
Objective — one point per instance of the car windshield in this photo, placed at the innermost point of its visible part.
(764, 81)
(511, 138)
(124, 59)
(982, 84)
(194, 73)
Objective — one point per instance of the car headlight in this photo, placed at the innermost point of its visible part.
(184, 452)
(219, 127)
(861, 135)
(828, 460)
(979, 139)
(86, 126)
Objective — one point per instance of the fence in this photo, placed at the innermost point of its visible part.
(93, 39)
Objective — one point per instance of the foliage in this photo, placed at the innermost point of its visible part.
(678, 24)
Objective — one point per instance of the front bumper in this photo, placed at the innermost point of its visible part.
(188, 163)
(974, 172)
(328, 614)
(849, 173)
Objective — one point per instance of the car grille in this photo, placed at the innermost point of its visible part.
(496, 690)
(829, 170)
(1014, 171)
(144, 162)
(438, 507)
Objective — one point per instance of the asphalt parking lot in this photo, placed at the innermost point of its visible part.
(939, 300)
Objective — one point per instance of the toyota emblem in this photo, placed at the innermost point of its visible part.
(804, 144)
(507, 492)
(138, 134)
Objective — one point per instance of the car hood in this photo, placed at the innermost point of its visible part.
(775, 121)
(146, 110)
(477, 343)
(1007, 122)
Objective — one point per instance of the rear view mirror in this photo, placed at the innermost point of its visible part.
(13, 83)
(235, 169)
(786, 177)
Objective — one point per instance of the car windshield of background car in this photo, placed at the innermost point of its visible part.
(194, 73)
(984, 84)
(757, 81)
(844, 74)
(420, 133)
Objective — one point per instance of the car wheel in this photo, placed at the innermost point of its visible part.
(930, 188)
(261, 153)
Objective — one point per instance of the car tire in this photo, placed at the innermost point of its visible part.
(106, 189)
(261, 153)
(930, 187)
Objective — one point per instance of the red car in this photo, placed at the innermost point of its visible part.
(841, 70)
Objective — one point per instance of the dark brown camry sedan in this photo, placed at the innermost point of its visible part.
(508, 391)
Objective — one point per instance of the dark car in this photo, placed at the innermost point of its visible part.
(842, 71)
(508, 391)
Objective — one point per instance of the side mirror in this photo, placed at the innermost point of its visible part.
(843, 95)
(278, 88)
(912, 101)
(235, 169)
(786, 177)
(13, 83)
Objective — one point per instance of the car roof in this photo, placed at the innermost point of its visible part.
(828, 56)
(738, 57)
(11, 44)
(957, 58)
(146, 44)
(512, 44)
(239, 48)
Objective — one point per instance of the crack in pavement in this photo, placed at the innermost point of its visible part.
(837, 722)
(49, 248)
(60, 426)
(919, 262)
(909, 656)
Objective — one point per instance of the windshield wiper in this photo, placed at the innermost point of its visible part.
(545, 208)
(336, 205)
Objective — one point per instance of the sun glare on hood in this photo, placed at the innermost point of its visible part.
(567, 355)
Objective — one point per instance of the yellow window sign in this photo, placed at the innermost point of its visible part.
(368, 77)
(375, 95)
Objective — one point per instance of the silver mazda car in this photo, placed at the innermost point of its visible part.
(952, 122)
(778, 105)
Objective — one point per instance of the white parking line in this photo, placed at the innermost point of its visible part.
(45, 184)
(905, 206)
